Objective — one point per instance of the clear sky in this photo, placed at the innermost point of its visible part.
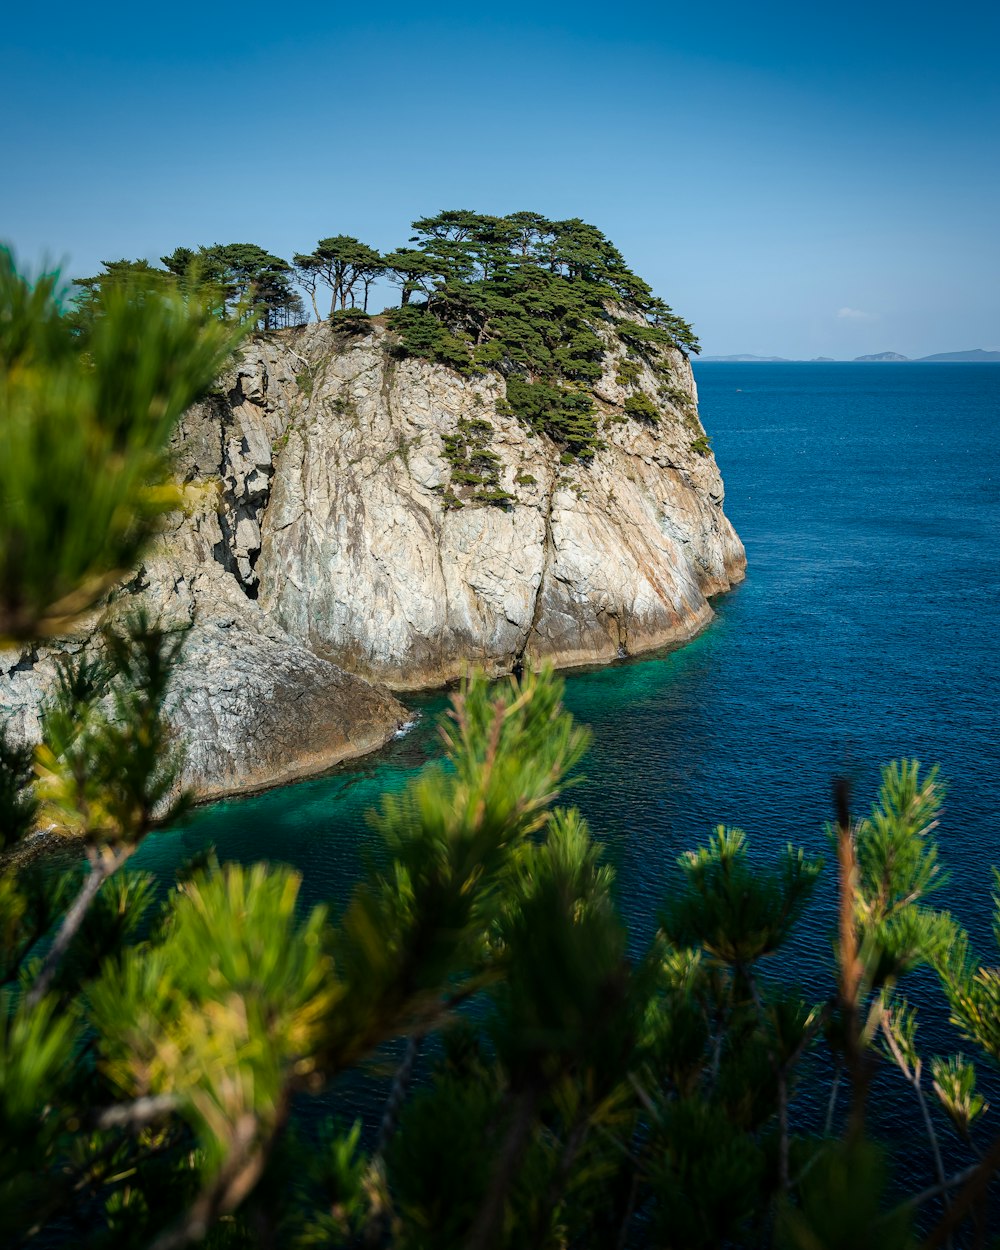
(795, 179)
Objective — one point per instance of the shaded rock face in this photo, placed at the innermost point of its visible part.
(255, 710)
(332, 547)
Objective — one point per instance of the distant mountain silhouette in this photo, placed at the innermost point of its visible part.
(978, 356)
(974, 357)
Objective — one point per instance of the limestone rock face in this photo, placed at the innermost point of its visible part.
(331, 547)
(362, 558)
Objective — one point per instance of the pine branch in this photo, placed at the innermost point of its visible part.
(831, 1106)
(933, 1191)
(912, 1077)
(102, 866)
(397, 1093)
(633, 1194)
(557, 1188)
(488, 1220)
(236, 1179)
(780, 1074)
(964, 1201)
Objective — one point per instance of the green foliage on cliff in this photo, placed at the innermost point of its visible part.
(642, 408)
(475, 467)
(255, 284)
(343, 264)
(350, 321)
(531, 298)
(249, 284)
(566, 415)
(420, 335)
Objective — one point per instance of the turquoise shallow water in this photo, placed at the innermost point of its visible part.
(868, 497)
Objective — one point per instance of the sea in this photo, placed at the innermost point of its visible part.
(868, 498)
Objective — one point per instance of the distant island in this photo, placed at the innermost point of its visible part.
(977, 356)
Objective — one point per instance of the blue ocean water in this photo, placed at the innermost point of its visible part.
(868, 497)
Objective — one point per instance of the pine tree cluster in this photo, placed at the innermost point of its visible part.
(534, 299)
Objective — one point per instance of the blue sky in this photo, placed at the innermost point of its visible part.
(796, 180)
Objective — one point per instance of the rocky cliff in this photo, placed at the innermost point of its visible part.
(358, 522)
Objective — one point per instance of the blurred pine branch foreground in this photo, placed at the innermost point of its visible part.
(154, 1055)
(87, 406)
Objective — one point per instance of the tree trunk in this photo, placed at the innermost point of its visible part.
(487, 1224)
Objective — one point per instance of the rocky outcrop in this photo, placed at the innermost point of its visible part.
(333, 545)
(363, 557)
